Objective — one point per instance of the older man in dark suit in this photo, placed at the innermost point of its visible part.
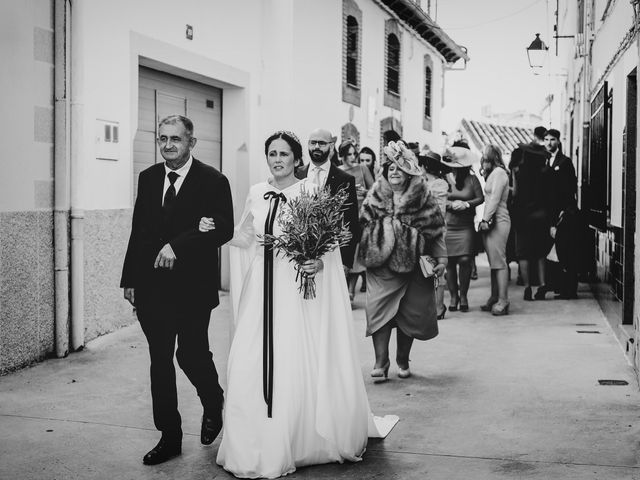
(170, 275)
(324, 173)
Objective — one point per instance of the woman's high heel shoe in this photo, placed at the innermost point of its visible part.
(453, 307)
(404, 372)
(500, 308)
(381, 374)
(440, 315)
(490, 303)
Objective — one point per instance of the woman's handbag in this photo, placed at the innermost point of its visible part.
(427, 265)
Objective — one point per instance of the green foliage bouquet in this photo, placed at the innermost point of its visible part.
(312, 225)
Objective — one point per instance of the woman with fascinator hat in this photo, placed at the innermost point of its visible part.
(400, 222)
(295, 393)
(465, 195)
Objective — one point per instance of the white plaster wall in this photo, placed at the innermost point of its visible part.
(318, 75)
(110, 31)
(608, 36)
(282, 64)
(24, 84)
(618, 82)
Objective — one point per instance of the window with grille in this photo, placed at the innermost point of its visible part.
(393, 64)
(352, 51)
(427, 92)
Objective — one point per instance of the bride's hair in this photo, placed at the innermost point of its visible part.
(292, 140)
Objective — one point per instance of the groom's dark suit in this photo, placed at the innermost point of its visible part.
(337, 179)
(178, 302)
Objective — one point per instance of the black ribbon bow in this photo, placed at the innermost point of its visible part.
(267, 335)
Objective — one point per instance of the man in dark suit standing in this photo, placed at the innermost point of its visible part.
(560, 177)
(324, 173)
(170, 275)
(561, 186)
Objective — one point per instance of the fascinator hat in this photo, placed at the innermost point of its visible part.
(405, 159)
(459, 157)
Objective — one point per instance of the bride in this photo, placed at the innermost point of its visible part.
(295, 394)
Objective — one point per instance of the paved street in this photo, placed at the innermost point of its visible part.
(491, 398)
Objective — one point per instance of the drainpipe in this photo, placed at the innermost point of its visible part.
(61, 180)
(76, 177)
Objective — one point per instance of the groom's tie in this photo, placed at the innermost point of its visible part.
(317, 171)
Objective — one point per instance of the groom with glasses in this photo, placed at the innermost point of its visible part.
(324, 174)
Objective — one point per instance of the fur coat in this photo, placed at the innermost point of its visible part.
(395, 235)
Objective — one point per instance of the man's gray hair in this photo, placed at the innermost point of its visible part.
(173, 119)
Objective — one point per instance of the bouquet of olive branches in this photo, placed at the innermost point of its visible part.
(312, 225)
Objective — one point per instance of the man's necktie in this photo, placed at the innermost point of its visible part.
(170, 194)
(316, 176)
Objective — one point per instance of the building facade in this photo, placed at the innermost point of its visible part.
(599, 106)
(92, 79)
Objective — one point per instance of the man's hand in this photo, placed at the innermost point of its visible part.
(206, 224)
(129, 295)
(439, 269)
(552, 232)
(166, 258)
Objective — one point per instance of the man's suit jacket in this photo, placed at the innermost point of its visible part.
(204, 192)
(561, 185)
(528, 169)
(337, 179)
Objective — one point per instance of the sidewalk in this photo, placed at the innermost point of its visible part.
(491, 398)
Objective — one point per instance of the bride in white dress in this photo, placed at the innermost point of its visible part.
(319, 411)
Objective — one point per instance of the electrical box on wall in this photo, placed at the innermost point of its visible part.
(107, 140)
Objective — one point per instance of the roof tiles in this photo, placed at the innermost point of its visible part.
(506, 137)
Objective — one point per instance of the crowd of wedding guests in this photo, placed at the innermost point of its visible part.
(521, 211)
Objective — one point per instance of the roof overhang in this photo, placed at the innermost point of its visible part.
(411, 13)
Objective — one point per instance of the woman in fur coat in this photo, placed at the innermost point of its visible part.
(400, 222)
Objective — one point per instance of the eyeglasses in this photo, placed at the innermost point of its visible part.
(319, 143)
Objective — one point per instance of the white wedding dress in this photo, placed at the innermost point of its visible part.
(320, 408)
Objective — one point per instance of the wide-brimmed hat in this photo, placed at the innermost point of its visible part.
(405, 159)
(459, 157)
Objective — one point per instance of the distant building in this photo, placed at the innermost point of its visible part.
(599, 104)
(505, 137)
(89, 82)
(519, 118)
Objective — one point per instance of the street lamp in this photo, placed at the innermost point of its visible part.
(537, 52)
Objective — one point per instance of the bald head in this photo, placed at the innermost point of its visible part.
(320, 145)
(321, 134)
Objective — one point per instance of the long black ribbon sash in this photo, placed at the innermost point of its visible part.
(267, 335)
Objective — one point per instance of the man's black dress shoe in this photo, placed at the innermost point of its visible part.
(210, 429)
(540, 293)
(165, 450)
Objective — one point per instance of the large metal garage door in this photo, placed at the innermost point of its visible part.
(161, 94)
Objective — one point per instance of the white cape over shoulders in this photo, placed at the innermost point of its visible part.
(321, 412)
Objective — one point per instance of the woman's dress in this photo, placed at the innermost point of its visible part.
(320, 410)
(460, 228)
(496, 191)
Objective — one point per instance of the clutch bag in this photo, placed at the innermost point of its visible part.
(427, 265)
